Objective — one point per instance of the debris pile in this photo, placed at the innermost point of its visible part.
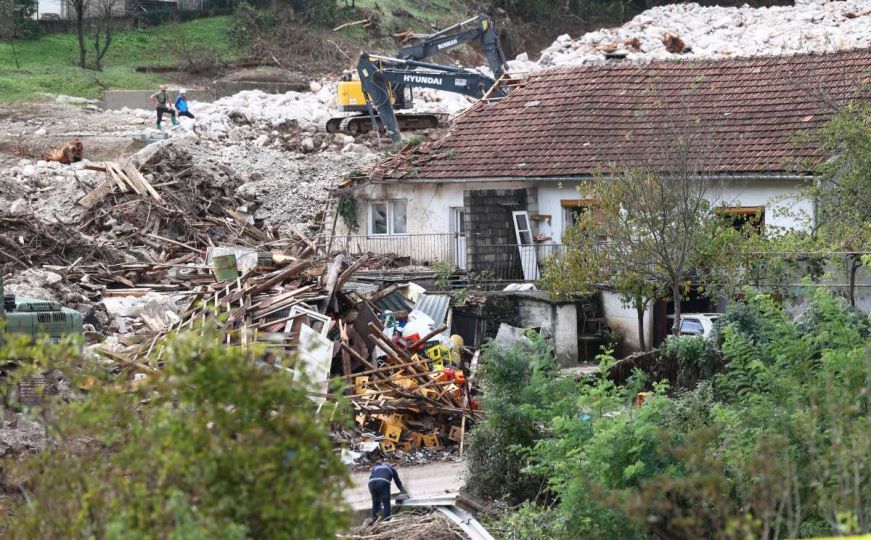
(689, 31)
(408, 380)
(422, 524)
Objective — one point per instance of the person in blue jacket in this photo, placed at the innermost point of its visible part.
(181, 104)
(380, 478)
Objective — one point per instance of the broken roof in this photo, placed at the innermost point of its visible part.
(743, 116)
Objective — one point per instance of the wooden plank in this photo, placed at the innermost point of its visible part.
(97, 194)
(121, 184)
(133, 172)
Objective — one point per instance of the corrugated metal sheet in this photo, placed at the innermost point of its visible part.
(395, 302)
(434, 305)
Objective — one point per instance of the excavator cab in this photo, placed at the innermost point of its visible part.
(349, 94)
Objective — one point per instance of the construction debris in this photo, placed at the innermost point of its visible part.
(416, 525)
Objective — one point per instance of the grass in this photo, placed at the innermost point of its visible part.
(48, 64)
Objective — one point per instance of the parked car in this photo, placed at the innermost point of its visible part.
(697, 324)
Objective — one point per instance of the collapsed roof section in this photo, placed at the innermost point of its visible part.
(742, 116)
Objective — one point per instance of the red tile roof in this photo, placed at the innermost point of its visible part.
(743, 116)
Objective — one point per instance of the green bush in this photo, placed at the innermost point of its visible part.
(776, 446)
(694, 360)
(217, 444)
(523, 392)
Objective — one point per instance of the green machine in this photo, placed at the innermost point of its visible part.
(33, 317)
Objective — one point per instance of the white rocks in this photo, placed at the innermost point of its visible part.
(40, 132)
(307, 144)
(722, 32)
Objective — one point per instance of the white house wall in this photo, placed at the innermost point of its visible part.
(428, 204)
(624, 321)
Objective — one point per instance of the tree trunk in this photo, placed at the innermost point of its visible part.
(853, 267)
(676, 296)
(14, 52)
(640, 304)
(80, 32)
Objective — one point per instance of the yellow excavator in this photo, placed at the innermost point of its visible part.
(384, 83)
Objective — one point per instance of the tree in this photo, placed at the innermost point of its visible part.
(649, 232)
(80, 8)
(843, 192)
(104, 14)
(589, 262)
(16, 22)
(217, 444)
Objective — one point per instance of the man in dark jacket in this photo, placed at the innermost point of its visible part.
(380, 477)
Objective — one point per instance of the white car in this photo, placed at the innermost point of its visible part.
(698, 324)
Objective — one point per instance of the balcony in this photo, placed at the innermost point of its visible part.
(487, 262)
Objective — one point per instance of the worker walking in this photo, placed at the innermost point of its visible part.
(181, 104)
(162, 105)
(380, 478)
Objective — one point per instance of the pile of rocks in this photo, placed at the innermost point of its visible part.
(687, 31)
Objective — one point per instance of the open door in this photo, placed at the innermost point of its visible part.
(459, 240)
(525, 246)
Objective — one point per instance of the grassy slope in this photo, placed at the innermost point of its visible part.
(48, 63)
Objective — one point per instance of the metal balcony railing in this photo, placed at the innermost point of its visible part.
(484, 262)
(406, 249)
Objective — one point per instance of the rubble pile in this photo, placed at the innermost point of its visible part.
(687, 31)
(420, 524)
(407, 378)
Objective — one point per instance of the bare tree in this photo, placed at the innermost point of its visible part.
(104, 12)
(9, 15)
(80, 8)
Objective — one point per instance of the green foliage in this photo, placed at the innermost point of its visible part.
(523, 392)
(693, 359)
(48, 63)
(844, 192)
(347, 209)
(249, 23)
(774, 447)
(217, 444)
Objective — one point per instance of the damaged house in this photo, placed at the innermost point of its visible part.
(495, 195)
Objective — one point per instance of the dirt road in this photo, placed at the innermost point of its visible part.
(422, 481)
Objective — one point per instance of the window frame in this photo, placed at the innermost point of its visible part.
(755, 215)
(390, 205)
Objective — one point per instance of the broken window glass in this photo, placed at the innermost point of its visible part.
(399, 217)
(379, 218)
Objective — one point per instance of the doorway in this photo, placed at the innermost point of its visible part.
(458, 230)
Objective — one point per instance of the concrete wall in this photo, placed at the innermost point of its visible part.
(561, 319)
(624, 321)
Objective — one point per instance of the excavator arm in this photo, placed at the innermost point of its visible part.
(384, 80)
(477, 28)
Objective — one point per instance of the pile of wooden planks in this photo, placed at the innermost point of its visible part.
(125, 177)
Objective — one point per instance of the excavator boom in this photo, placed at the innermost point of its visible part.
(385, 82)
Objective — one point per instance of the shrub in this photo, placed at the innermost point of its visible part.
(215, 445)
(523, 392)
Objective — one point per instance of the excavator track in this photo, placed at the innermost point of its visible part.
(355, 125)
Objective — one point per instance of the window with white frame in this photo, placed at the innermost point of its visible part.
(387, 217)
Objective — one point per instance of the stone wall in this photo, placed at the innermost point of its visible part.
(490, 228)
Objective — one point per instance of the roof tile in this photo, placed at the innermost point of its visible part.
(742, 116)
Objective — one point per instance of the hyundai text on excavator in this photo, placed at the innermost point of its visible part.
(385, 82)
